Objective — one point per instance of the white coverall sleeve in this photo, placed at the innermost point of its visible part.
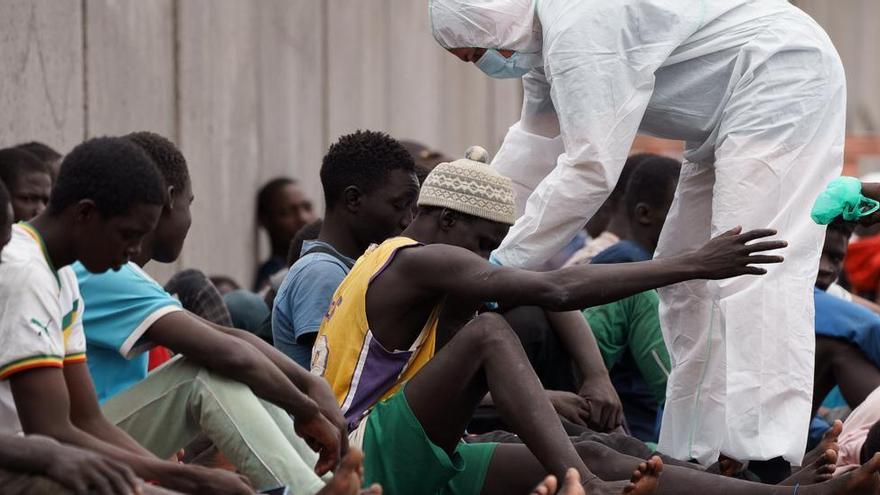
(601, 76)
(532, 145)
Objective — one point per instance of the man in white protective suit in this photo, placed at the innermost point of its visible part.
(757, 91)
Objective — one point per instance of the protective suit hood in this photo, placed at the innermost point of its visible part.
(500, 24)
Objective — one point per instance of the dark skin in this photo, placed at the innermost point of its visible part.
(60, 403)
(241, 355)
(30, 195)
(289, 211)
(6, 226)
(361, 218)
(73, 468)
(482, 356)
(839, 362)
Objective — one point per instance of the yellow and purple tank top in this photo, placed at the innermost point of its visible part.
(360, 370)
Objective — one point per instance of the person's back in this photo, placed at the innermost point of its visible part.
(317, 273)
(689, 46)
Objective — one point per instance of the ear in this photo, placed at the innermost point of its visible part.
(447, 219)
(352, 197)
(169, 201)
(85, 211)
(643, 214)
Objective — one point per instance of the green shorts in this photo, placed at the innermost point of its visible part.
(399, 456)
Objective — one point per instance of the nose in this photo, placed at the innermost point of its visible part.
(41, 205)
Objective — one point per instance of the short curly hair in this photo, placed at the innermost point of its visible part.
(166, 156)
(363, 159)
(15, 162)
(113, 172)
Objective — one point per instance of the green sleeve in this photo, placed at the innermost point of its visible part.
(609, 325)
(645, 341)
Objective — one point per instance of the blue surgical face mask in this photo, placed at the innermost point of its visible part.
(498, 66)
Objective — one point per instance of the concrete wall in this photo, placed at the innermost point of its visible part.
(255, 89)
(248, 89)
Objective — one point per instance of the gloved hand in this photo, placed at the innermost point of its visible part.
(842, 198)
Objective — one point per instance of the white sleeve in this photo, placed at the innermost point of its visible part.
(533, 144)
(30, 329)
(601, 80)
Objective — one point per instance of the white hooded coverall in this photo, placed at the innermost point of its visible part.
(757, 91)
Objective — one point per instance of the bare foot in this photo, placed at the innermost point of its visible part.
(643, 481)
(572, 485)
(829, 441)
(349, 477)
(822, 469)
(861, 481)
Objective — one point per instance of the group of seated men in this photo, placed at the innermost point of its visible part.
(414, 339)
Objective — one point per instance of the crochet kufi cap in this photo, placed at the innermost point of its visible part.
(470, 186)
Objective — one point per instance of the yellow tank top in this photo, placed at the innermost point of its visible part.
(360, 370)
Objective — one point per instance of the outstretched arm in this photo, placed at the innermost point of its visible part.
(448, 269)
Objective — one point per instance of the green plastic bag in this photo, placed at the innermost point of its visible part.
(842, 198)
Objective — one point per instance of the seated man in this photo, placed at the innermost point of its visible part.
(415, 295)
(108, 196)
(38, 464)
(370, 187)
(282, 209)
(628, 331)
(28, 181)
(847, 333)
(225, 381)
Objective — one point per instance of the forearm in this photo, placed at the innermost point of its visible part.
(102, 429)
(577, 337)
(145, 466)
(27, 454)
(313, 386)
(254, 369)
(609, 283)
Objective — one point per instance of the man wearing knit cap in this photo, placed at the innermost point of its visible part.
(409, 362)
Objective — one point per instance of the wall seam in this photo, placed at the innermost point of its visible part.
(85, 66)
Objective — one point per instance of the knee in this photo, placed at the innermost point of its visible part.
(489, 331)
(593, 451)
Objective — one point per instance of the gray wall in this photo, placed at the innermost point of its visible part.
(254, 89)
(248, 89)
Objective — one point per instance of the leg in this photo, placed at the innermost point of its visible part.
(191, 400)
(611, 465)
(695, 388)
(543, 348)
(770, 166)
(841, 363)
(485, 356)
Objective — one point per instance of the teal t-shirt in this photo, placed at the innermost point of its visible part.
(120, 307)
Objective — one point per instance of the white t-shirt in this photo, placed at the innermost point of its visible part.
(40, 316)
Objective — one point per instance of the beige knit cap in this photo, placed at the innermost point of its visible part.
(470, 186)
